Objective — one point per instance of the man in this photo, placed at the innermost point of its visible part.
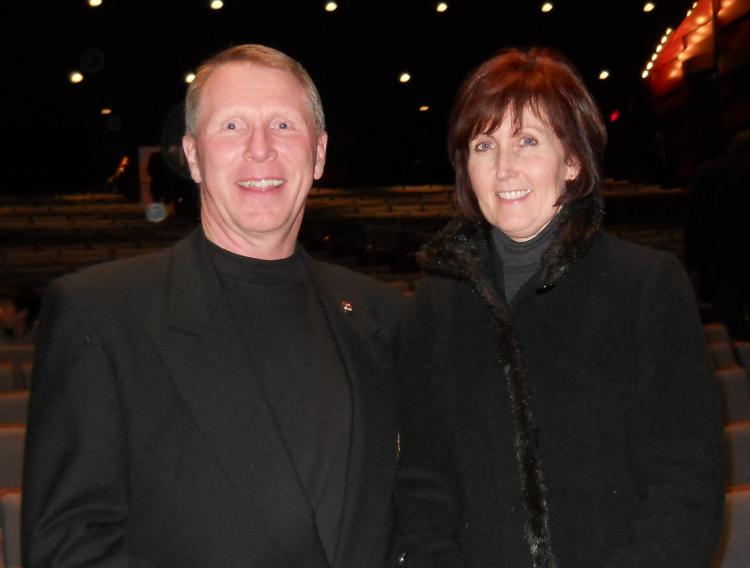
(226, 402)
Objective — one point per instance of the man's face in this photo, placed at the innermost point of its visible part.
(255, 154)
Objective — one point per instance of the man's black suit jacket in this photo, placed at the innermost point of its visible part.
(151, 443)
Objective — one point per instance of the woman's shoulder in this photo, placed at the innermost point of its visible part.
(634, 262)
(628, 254)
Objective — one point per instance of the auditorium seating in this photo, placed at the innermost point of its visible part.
(16, 361)
(14, 406)
(737, 439)
(12, 438)
(735, 393)
(723, 355)
(716, 333)
(10, 524)
(735, 545)
(742, 352)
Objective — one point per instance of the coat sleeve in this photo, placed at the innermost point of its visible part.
(677, 438)
(426, 490)
(75, 486)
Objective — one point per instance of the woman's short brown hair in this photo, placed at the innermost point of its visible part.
(551, 88)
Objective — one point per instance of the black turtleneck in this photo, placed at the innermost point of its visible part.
(520, 260)
(296, 359)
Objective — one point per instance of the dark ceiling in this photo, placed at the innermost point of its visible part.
(135, 54)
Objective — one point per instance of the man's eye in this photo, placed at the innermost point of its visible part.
(283, 125)
(231, 126)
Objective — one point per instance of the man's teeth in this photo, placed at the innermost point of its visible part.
(517, 194)
(262, 184)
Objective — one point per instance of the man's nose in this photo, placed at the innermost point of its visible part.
(259, 146)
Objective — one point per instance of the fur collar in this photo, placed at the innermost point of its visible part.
(461, 250)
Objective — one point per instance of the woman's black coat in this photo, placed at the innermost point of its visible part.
(578, 427)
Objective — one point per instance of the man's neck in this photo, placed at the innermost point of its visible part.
(265, 247)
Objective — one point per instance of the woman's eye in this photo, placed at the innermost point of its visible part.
(482, 146)
(528, 141)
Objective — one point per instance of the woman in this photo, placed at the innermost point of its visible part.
(558, 405)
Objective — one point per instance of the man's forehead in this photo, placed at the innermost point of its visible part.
(248, 72)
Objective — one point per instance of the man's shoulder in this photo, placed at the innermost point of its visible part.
(113, 276)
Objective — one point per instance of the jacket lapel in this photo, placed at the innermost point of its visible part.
(372, 452)
(211, 370)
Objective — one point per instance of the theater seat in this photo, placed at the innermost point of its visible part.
(716, 333)
(735, 393)
(10, 523)
(12, 439)
(14, 406)
(723, 355)
(742, 353)
(735, 547)
(737, 437)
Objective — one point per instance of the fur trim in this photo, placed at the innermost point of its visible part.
(461, 251)
(461, 245)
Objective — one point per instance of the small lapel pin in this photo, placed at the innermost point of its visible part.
(347, 306)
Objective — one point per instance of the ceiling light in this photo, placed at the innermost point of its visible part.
(547, 7)
(75, 77)
(603, 74)
(331, 6)
(441, 7)
(404, 78)
(648, 7)
(190, 77)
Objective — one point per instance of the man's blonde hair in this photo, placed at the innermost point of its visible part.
(254, 54)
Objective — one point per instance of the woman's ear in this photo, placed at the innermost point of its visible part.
(573, 168)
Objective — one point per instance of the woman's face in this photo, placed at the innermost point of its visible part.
(518, 175)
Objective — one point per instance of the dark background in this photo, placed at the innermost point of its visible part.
(135, 54)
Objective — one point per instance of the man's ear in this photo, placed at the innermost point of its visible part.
(320, 155)
(188, 145)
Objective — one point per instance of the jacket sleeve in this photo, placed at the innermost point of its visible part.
(677, 438)
(426, 490)
(74, 490)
